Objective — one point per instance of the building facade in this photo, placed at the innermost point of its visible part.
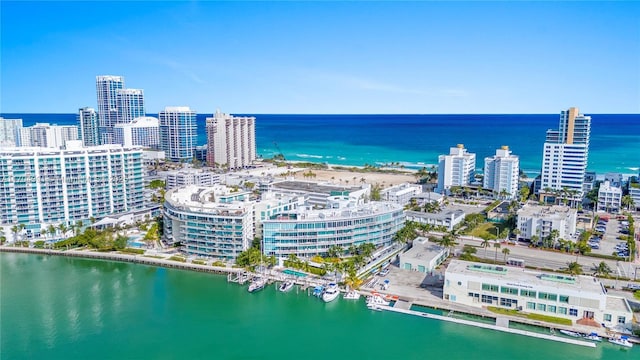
(231, 140)
(424, 256)
(401, 194)
(107, 87)
(8, 131)
(566, 152)
(305, 232)
(46, 135)
(130, 105)
(538, 220)
(178, 131)
(52, 186)
(581, 299)
(501, 173)
(609, 197)
(184, 177)
(88, 122)
(455, 169)
(142, 131)
(210, 222)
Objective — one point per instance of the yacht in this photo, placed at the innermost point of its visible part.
(331, 292)
(258, 283)
(286, 286)
(593, 337)
(375, 301)
(351, 295)
(622, 341)
(570, 333)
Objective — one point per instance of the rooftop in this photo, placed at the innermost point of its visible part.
(354, 211)
(526, 278)
(207, 199)
(309, 186)
(423, 250)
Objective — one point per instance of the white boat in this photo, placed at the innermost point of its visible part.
(593, 337)
(351, 295)
(286, 286)
(622, 341)
(570, 333)
(257, 284)
(375, 301)
(331, 292)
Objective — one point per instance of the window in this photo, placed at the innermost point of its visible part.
(607, 317)
(547, 296)
(551, 308)
(488, 299)
(508, 290)
(562, 310)
(573, 312)
(621, 320)
(490, 287)
(528, 293)
(531, 305)
(508, 302)
(564, 299)
(542, 307)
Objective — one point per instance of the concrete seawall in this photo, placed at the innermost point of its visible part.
(138, 259)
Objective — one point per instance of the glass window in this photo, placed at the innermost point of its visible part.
(607, 317)
(573, 312)
(542, 307)
(621, 320)
(562, 310)
(564, 299)
(531, 305)
(551, 308)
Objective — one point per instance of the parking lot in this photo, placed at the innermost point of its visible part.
(609, 241)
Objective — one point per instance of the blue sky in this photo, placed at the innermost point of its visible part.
(325, 57)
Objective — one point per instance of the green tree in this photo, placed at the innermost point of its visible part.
(335, 251)
(468, 252)
(120, 242)
(3, 239)
(524, 193)
(627, 201)
(603, 269)
(574, 268)
(485, 244)
(506, 253)
(496, 245)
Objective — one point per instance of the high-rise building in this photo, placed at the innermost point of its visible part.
(49, 187)
(565, 156)
(107, 87)
(231, 140)
(178, 131)
(143, 131)
(46, 135)
(8, 131)
(89, 126)
(501, 173)
(455, 169)
(130, 104)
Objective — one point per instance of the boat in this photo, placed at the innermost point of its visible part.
(318, 290)
(375, 301)
(593, 337)
(570, 333)
(331, 292)
(286, 286)
(622, 341)
(351, 295)
(258, 283)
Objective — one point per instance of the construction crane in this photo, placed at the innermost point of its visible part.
(280, 153)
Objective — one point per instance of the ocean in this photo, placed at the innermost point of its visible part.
(416, 140)
(68, 308)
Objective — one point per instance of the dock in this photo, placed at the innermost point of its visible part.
(502, 327)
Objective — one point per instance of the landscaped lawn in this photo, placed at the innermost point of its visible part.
(485, 230)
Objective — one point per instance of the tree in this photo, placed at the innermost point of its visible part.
(120, 242)
(63, 229)
(627, 201)
(335, 251)
(574, 268)
(506, 252)
(496, 245)
(524, 193)
(485, 244)
(603, 269)
(51, 230)
(3, 239)
(468, 252)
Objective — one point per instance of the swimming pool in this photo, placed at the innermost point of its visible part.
(294, 273)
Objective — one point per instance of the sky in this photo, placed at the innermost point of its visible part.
(418, 57)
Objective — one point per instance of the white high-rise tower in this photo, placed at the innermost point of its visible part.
(130, 104)
(107, 87)
(565, 156)
(178, 133)
(455, 169)
(501, 173)
(231, 140)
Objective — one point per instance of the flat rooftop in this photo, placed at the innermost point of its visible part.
(526, 277)
(308, 186)
(442, 215)
(204, 199)
(423, 250)
(355, 211)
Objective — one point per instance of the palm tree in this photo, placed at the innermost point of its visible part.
(485, 244)
(3, 239)
(506, 252)
(627, 201)
(63, 229)
(496, 245)
(51, 230)
(574, 268)
(603, 269)
(15, 229)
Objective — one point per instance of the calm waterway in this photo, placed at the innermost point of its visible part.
(66, 308)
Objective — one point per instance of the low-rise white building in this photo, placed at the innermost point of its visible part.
(634, 192)
(424, 256)
(142, 131)
(609, 197)
(446, 218)
(581, 299)
(190, 176)
(401, 194)
(538, 220)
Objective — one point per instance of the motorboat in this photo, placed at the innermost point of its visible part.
(318, 290)
(375, 301)
(331, 292)
(258, 283)
(570, 333)
(286, 286)
(622, 341)
(351, 295)
(593, 337)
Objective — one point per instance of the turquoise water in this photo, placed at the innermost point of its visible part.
(64, 308)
